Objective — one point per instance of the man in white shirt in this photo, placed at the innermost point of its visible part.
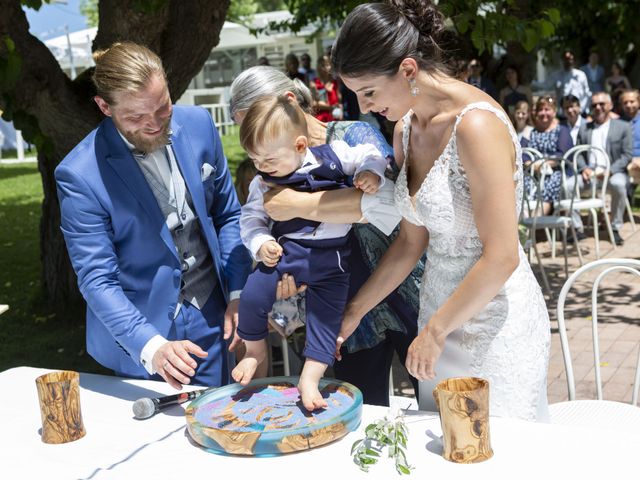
(614, 137)
(572, 111)
(571, 81)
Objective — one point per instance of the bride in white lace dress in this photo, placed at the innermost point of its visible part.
(482, 312)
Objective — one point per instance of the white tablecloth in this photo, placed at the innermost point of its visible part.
(117, 446)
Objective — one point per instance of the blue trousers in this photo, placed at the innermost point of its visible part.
(205, 328)
(324, 270)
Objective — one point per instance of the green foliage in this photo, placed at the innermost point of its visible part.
(498, 22)
(383, 433)
(241, 11)
(486, 22)
(613, 27)
(89, 8)
(270, 5)
(35, 4)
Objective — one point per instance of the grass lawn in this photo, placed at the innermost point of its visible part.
(29, 333)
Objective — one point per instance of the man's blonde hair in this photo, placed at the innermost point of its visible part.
(124, 67)
(268, 118)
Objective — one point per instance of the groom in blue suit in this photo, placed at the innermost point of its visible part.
(150, 219)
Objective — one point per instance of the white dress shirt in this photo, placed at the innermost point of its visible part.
(255, 224)
(599, 139)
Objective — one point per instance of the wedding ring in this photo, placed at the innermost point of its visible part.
(164, 365)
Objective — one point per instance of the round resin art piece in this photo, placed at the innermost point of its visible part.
(267, 418)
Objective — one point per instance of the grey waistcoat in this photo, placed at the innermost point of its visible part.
(198, 274)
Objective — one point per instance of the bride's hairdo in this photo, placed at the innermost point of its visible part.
(376, 37)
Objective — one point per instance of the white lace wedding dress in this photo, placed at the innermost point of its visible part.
(508, 342)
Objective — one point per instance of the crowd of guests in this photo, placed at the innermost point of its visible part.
(585, 106)
(542, 127)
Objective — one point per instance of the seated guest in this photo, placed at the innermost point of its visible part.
(614, 137)
(630, 103)
(521, 120)
(552, 140)
(572, 112)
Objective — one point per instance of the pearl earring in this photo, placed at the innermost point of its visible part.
(414, 89)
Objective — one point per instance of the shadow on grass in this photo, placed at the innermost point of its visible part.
(12, 171)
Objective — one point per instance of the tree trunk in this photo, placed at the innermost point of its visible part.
(182, 33)
(58, 278)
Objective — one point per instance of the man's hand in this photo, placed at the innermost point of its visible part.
(286, 287)
(231, 324)
(173, 362)
(270, 253)
(587, 173)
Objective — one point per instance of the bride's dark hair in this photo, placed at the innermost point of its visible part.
(376, 37)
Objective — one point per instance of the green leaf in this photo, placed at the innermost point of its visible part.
(403, 469)
(530, 39)
(554, 15)
(355, 445)
(462, 22)
(546, 28)
(371, 452)
(477, 36)
(35, 4)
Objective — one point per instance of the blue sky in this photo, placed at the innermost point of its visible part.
(49, 21)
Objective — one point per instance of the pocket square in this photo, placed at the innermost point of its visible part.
(206, 171)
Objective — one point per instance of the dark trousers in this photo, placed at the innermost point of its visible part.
(368, 369)
(325, 272)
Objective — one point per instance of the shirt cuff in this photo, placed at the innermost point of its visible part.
(380, 210)
(234, 295)
(149, 350)
(257, 242)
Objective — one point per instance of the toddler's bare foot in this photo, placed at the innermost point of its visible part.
(310, 395)
(244, 371)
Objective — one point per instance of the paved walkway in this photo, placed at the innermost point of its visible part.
(619, 323)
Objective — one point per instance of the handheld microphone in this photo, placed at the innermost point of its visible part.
(147, 407)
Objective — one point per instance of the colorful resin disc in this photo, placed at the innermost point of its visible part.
(267, 418)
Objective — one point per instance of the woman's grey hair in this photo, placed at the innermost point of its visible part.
(264, 81)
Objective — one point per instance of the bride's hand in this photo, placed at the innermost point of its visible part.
(350, 322)
(424, 353)
(280, 203)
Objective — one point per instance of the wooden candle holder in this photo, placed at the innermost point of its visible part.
(59, 396)
(464, 416)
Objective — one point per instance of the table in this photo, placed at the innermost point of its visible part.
(117, 446)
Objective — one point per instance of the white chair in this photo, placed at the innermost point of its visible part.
(595, 412)
(575, 200)
(532, 216)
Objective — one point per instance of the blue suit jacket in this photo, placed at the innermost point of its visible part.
(119, 244)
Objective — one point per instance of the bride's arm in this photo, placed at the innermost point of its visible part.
(396, 264)
(489, 167)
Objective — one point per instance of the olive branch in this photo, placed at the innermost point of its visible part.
(385, 432)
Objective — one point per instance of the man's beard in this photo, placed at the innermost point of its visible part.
(146, 144)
